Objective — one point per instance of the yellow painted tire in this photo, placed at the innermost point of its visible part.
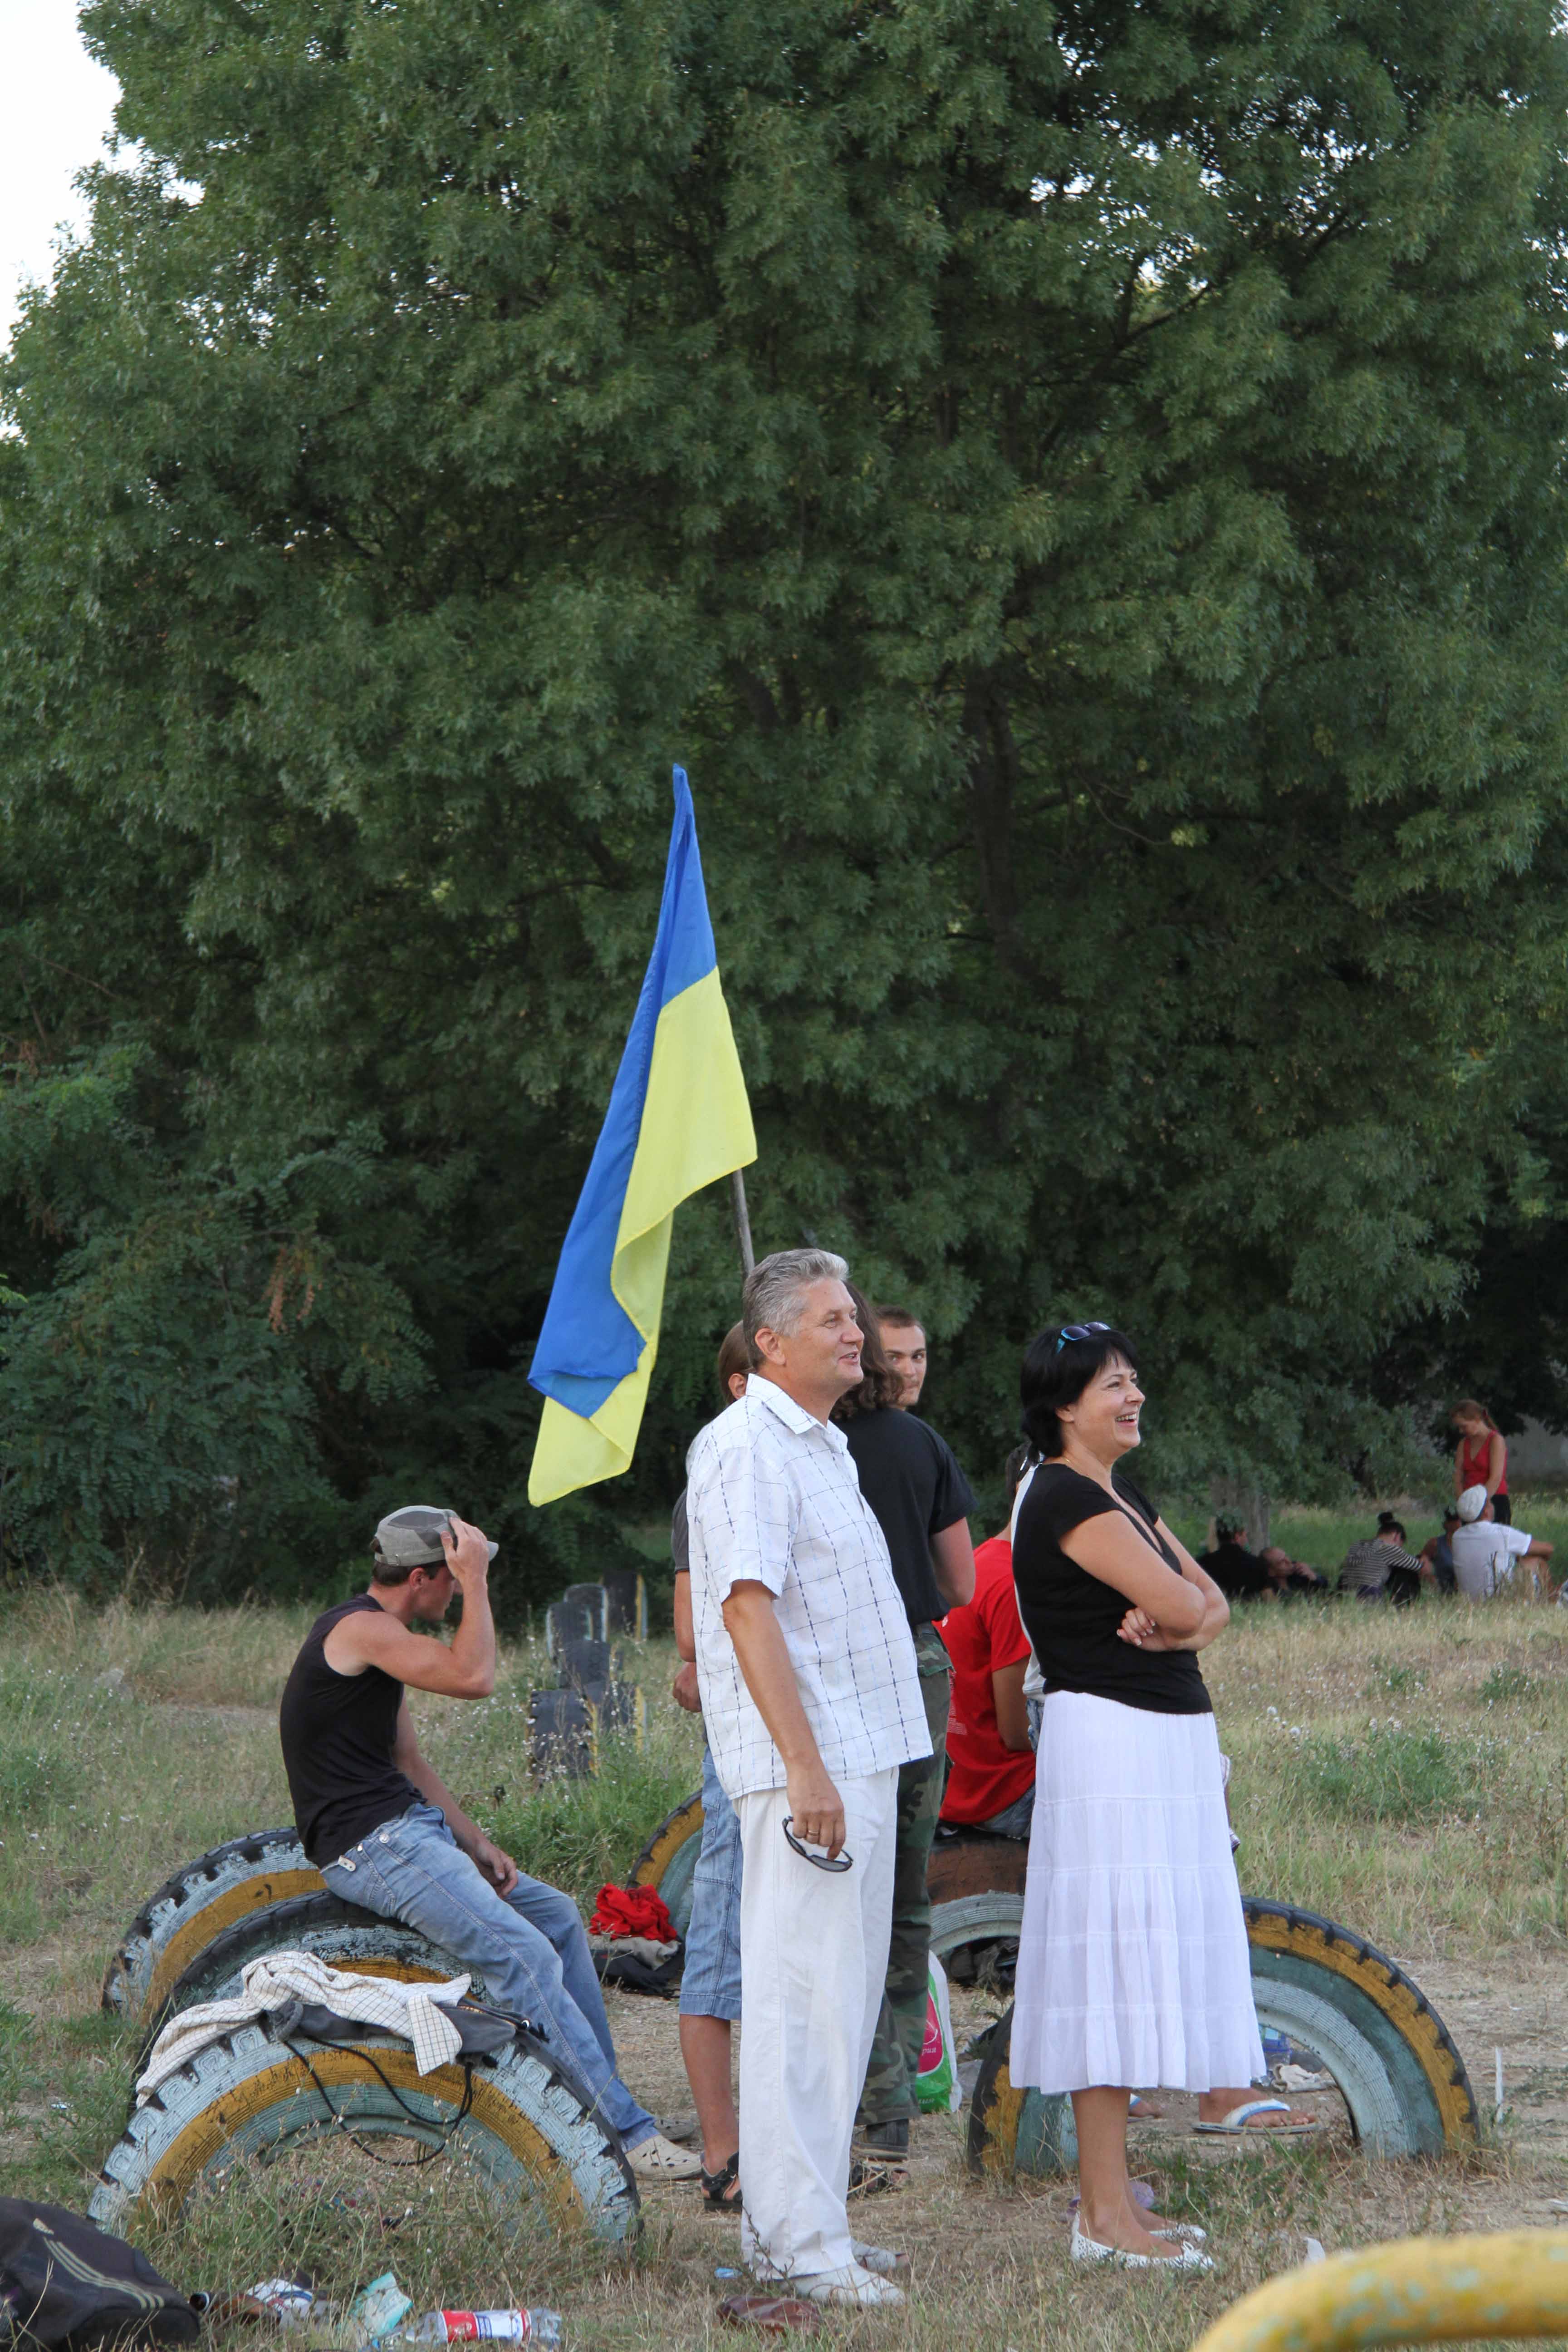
(197, 1904)
(1389, 2052)
(668, 1860)
(1465, 2290)
(1295, 1950)
(528, 2136)
(344, 1934)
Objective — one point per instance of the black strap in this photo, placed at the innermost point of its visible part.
(1151, 1536)
(392, 2163)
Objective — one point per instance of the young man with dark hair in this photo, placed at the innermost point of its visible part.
(384, 1831)
(904, 1345)
(921, 1501)
(1239, 1573)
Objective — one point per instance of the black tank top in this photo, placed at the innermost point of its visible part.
(338, 1732)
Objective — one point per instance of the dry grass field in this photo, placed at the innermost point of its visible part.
(1403, 1772)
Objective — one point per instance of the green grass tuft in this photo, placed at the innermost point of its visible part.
(1390, 1774)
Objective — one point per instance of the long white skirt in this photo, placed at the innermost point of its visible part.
(1132, 1965)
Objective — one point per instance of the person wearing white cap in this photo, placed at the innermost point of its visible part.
(1485, 1550)
(384, 1831)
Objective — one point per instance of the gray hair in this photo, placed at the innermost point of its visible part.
(774, 1297)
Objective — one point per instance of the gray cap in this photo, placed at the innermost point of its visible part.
(1472, 1503)
(411, 1538)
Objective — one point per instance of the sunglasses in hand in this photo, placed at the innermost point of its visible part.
(817, 1861)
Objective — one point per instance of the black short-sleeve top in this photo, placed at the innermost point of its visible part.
(1072, 1617)
(910, 1476)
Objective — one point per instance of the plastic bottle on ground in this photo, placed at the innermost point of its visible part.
(539, 2325)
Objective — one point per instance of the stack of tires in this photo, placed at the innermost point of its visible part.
(565, 1725)
(516, 2121)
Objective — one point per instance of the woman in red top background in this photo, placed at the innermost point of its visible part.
(991, 1779)
(1481, 1456)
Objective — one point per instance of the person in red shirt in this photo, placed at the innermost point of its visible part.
(991, 1775)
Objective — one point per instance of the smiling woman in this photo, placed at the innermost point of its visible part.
(1132, 1965)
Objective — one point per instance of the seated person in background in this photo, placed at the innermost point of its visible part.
(1485, 1550)
(991, 1776)
(1437, 1553)
(1239, 1573)
(384, 1831)
(1379, 1567)
(1289, 1576)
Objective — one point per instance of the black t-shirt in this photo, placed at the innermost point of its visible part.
(1072, 1617)
(916, 1488)
(1239, 1574)
(338, 1732)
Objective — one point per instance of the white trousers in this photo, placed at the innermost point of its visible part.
(814, 1956)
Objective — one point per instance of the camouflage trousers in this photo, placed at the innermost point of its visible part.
(889, 2089)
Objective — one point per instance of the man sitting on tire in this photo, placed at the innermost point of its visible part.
(384, 1832)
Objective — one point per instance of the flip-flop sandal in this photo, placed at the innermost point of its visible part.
(1141, 2110)
(1238, 2123)
(715, 2186)
(876, 2180)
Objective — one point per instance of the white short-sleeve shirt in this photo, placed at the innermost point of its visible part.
(773, 1498)
(1484, 1553)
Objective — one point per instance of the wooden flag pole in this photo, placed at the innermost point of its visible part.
(743, 1221)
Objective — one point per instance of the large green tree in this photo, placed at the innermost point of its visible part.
(1080, 488)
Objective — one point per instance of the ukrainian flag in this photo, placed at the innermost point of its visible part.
(678, 1118)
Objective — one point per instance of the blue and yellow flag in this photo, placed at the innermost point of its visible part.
(678, 1119)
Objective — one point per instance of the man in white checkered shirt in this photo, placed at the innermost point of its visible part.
(811, 1699)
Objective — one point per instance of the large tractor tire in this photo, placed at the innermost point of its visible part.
(198, 1903)
(526, 2134)
(344, 1934)
(1364, 2021)
(668, 1860)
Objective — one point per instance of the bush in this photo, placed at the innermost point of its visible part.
(1390, 1774)
(579, 1834)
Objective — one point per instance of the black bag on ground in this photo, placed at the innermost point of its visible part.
(63, 2282)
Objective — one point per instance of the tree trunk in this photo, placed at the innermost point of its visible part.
(1243, 1499)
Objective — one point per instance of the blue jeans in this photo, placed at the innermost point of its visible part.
(711, 1974)
(529, 1946)
(1014, 1819)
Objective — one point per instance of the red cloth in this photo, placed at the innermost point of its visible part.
(632, 1911)
(986, 1777)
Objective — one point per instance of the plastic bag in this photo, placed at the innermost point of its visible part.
(937, 2086)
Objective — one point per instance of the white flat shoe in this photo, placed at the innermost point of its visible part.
(853, 2288)
(660, 2160)
(1188, 2231)
(1090, 2249)
(881, 2260)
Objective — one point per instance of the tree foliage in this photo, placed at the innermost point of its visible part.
(1082, 492)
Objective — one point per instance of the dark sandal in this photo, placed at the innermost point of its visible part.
(715, 2186)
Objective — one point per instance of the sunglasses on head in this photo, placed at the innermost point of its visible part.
(1077, 1331)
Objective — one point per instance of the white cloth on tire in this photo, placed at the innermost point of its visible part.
(281, 1978)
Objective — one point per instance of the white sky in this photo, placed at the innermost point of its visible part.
(55, 105)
